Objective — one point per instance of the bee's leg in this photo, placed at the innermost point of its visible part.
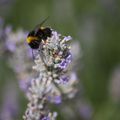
(33, 55)
(42, 55)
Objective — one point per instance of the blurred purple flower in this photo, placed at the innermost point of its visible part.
(85, 111)
(10, 103)
(57, 99)
(11, 46)
(45, 118)
(24, 85)
(29, 53)
(8, 30)
(1, 27)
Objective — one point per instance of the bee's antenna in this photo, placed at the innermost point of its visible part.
(44, 21)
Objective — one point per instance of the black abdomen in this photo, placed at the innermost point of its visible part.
(34, 44)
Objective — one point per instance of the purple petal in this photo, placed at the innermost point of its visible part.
(57, 99)
(63, 64)
(69, 58)
(64, 79)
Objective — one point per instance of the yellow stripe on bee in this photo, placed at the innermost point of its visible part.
(30, 39)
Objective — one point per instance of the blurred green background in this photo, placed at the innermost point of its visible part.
(96, 25)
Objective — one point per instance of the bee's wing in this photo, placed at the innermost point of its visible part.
(39, 25)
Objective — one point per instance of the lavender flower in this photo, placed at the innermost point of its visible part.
(19, 56)
(10, 103)
(55, 78)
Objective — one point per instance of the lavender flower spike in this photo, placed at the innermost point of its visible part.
(53, 66)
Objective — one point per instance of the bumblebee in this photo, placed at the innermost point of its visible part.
(35, 36)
